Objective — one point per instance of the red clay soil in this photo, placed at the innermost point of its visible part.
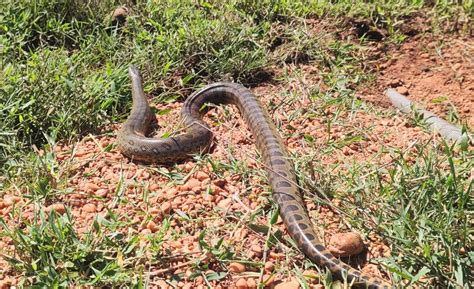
(438, 74)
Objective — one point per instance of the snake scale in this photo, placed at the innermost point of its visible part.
(133, 142)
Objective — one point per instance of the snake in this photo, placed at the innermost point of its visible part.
(133, 142)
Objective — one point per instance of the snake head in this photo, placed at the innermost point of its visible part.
(134, 73)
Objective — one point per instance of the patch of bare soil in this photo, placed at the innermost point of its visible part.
(437, 74)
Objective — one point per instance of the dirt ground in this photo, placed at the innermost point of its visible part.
(436, 74)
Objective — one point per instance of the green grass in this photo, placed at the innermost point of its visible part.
(426, 206)
(53, 252)
(63, 75)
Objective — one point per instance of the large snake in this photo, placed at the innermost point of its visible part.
(133, 142)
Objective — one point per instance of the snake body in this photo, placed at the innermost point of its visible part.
(132, 141)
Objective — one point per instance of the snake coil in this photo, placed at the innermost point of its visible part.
(132, 142)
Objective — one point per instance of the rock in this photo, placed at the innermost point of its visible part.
(224, 204)
(171, 193)
(395, 82)
(402, 90)
(240, 234)
(293, 284)
(236, 267)
(199, 280)
(275, 256)
(192, 185)
(241, 284)
(146, 231)
(89, 208)
(166, 208)
(9, 200)
(145, 175)
(201, 176)
(220, 183)
(91, 187)
(80, 153)
(153, 187)
(371, 270)
(345, 244)
(152, 226)
(269, 266)
(82, 230)
(257, 249)
(162, 284)
(209, 197)
(251, 283)
(101, 193)
(58, 208)
(215, 189)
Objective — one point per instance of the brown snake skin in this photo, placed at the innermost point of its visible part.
(132, 141)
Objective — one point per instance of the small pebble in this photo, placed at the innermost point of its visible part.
(224, 204)
(275, 256)
(152, 226)
(346, 244)
(89, 208)
(220, 183)
(251, 283)
(257, 249)
(191, 185)
(153, 187)
(395, 82)
(10, 200)
(241, 233)
(91, 187)
(235, 267)
(80, 153)
(101, 193)
(146, 231)
(201, 176)
(402, 90)
(269, 266)
(162, 284)
(171, 193)
(241, 284)
(293, 284)
(58, 208)
(166, 207)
